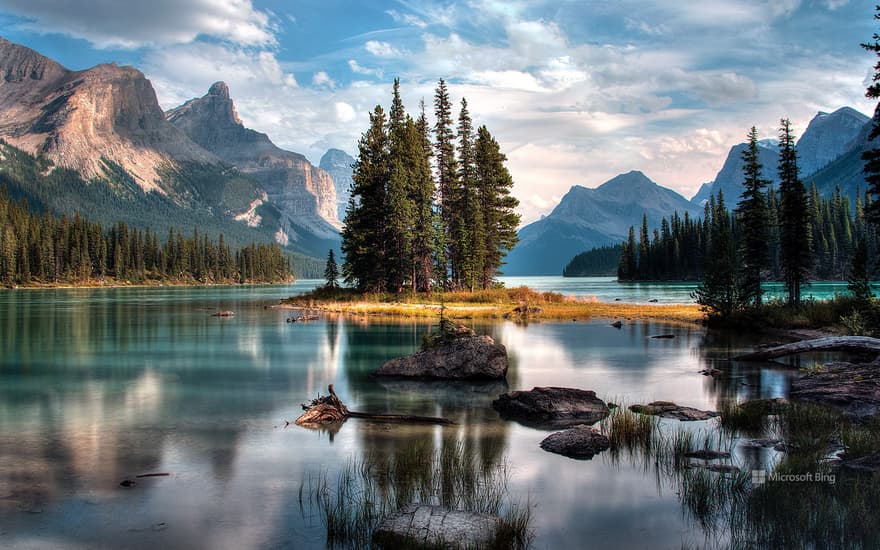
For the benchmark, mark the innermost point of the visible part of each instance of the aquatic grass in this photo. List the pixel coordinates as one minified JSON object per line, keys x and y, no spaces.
{"x":860,"y":439}
{"x":628,"y":431}
{"x":352,"y":505}
{"x":808,"y":429}
{"x":748,"y":417}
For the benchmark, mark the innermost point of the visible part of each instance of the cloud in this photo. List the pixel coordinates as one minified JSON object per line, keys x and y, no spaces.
{"x":407,"y":19}
{"x":344,"y":112}
{"x":382,"y":49}
{"x":129,"y":25}
{"x":321,"y":78}
{"x":357,"y":68}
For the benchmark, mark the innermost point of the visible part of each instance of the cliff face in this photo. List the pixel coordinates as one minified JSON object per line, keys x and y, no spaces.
{"x":304,"y":194}
{"x":81,"y":119}
{"x":339,"y":165}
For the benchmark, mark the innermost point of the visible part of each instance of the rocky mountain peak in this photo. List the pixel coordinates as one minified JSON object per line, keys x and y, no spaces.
{"x":219,"y":89}
{"x":303,"y":191}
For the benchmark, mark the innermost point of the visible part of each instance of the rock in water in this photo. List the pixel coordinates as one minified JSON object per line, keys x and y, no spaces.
{"x":578,"y":442}
{"x":549,"y":408}
{"x":418,"y":525}
{"x":471,"y":357}
{"x":851,"y":387}
{"x":667,"y":409}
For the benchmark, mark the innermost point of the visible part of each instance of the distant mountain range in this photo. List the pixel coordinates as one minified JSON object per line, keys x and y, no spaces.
{"x":586,"y":218}
{"x":828,"y":139}
{"x":829,"y":155}
{"x":125,"y":159}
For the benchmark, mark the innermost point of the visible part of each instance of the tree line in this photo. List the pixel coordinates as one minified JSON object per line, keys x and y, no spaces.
{"x":789,"y":235}
{"x":43,"y":249}
{"x":430,"y":206}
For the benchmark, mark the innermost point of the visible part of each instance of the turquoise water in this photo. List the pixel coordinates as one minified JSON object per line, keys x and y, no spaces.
{"x":100,"y":385}
{"x":607,"y":289}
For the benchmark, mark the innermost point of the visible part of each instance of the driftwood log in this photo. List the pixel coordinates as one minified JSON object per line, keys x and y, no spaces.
{"x":328,"y":410}
{"x":832,"y":343}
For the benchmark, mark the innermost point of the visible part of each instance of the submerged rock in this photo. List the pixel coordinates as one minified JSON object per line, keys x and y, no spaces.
{"x":667,"y":409}
{"x":468,"y":357}
{"x":579,"y":442}
{"x":417,"y":525}
{"x":551,"y":407}
{"x":851,"y":387}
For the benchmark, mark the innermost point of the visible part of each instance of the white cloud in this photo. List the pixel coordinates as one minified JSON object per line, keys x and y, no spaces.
{"x":407,"y":19}
{"x":382,"y":49}
{"x":117,"y":24}
{"x":321,"y":78}
{"x":344,"y":112}
{"x":357,"y":68}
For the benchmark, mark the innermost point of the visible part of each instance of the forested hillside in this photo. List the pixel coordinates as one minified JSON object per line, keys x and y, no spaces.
{"x":42,"y":249}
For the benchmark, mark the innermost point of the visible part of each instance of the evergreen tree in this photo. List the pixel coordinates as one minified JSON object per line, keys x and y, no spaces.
{"x":752,"y":217}
{"x":859,"y":281}
{"x":364,"y":236}
{"x":498,"y":206}
{"x":444,"y":148}
{"x":426,"y":239}
{"x":719,"y":292}
{"x":331,"y":271}
{"x":466,"y":223}
{"x":795,"y":233}
{"x":404,"y":148}
{"x":872,"y":156}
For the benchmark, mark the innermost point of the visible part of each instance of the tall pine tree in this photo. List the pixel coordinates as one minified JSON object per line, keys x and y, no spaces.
{"x":872,"y":156}
{"x":498,"y":205}
{"x":795,"y":240}
{"x":752,"y":217}
{"x":364,"y":234}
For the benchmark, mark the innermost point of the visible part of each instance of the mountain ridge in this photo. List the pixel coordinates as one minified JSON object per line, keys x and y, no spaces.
{"x":589,"y":217}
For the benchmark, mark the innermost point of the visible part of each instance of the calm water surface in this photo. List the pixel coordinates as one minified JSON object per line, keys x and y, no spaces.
{"x":97,"y":386}
{"x":607,"y":289}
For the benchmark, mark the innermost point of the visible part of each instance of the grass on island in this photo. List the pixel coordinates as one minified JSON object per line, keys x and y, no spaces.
{"x":490,"y":303}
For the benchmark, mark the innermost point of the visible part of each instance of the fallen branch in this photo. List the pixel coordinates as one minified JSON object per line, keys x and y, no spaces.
{"x":832,"y":343}
{"x":328,"y":409}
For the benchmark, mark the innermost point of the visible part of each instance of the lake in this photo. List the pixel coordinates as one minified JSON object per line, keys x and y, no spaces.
{"x":607,"y":289}
{"x":101,"y":385}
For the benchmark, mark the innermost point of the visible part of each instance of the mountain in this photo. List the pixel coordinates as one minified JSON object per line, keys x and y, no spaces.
{"x":339,"y":165}
{"x":304,"y":194}
{"x":829,"y":138}
{"x":703,"y":194}
{"x":586,"y":218}
{"x":87,"y":119}
{"x":730,"y":178}
{"x":97,"y":142}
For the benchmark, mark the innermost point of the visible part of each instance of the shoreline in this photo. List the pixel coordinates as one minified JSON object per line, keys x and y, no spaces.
{"x":569,"y":310}
{"x":155,"y":284}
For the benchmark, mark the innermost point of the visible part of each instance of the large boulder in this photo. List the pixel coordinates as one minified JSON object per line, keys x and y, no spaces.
{"x":667,"y":409}
{"x":551,"y":408}
{"x":469,"y":357}
{"x":579,"y":442}
{"x":420,"y":525}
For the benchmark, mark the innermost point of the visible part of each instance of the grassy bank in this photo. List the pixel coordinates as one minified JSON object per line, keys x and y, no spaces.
{"x":517,"y":303}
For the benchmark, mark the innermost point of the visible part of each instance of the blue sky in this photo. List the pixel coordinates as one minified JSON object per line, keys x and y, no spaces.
{"x":575,"y":91}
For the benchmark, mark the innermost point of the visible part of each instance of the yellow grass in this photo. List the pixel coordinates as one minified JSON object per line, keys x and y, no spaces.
{"x":494,"y":303}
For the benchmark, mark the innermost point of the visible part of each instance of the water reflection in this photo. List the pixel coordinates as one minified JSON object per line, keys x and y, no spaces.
{"x":98,"y":386}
